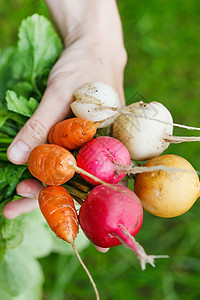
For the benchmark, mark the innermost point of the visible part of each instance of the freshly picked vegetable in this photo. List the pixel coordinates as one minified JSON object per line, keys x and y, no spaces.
{"x":166,"y":193}
{"x":55,"y":165}
{"x":110,"y":217}
{"x":103,"y":157}
{"x":146,"y":130}
{"x":143,"y":137}
{"x":96,"y":101}
{"x":72,"y":133}
{"x":57,"y":206}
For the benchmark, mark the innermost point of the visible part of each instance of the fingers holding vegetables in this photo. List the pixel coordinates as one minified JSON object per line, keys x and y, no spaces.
{"x":29,"y":190}
{"x":112,"y":215}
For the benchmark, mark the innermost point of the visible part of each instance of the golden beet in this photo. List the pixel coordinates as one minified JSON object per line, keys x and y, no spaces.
{"x":168,"y":193}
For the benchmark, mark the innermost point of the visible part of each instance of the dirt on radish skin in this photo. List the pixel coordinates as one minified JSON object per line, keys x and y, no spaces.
{"x":92,"y":96}
{"x":72,"y":133}
{"x":100,"y":157}
{"x":110,"y":217}
{"x":143,"y":137}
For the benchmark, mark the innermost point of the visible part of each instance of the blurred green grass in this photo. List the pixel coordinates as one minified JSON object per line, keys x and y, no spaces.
{"x":163,"y":45}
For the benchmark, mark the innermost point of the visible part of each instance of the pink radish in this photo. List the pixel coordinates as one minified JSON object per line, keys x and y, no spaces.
{"x":110,"y":217}
{"x":101,"y":157}
{"x":109,"y":161}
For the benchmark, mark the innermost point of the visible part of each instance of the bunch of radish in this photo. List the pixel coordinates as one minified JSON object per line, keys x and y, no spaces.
{"x":111,"y":214}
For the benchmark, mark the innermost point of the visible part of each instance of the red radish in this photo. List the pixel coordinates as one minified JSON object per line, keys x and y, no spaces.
{"x":101,"y":157}
{"x":109,"y":217}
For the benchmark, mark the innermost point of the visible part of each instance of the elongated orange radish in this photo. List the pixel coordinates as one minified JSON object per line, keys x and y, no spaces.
{"x":57,"y":207}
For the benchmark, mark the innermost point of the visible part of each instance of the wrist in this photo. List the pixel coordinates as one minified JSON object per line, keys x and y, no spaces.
{"x":79,"y":15}
{"x":96,"y":23}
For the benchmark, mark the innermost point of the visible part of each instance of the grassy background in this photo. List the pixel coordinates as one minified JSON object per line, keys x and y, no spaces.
{"x":163,"y":45}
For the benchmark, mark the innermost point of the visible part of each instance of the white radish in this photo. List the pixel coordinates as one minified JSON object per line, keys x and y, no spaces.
{"x":146,"y":130}
{"x":143,"y":137}
{"x":96,"y":101}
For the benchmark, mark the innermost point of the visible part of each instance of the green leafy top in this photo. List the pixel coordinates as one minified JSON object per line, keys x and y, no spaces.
{"x":24,"y":71}
{"x":37,"y":50}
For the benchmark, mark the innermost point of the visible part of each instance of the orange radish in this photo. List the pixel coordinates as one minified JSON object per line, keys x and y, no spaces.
{"x":72,"y":133}
{"x":57,"y":207}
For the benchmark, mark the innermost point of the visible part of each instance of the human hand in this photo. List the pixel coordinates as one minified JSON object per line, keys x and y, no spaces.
{"x":89,"y":55}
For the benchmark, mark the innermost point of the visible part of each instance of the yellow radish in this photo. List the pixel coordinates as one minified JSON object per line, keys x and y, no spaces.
{"x":168,"y":193}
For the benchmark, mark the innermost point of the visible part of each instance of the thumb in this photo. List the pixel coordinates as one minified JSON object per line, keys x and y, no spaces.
{"x":52,"y":108}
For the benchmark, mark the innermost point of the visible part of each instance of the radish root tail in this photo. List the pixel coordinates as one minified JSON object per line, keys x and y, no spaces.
{"x":81,"y":171}
{"x":180,"y":139}
{"x":125,"y":110}
{"x":87,"y":272}
{"x":135,"y":170}
{"x":138,"y":249}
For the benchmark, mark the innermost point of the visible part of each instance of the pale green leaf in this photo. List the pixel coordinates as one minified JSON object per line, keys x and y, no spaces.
{"x":5,"y":69}
{"x":38,"y":48}
{"x":19,"y":273}
{"x":11,"y":173}
{"x":12,"y":231}
{"x":20,"y":104}
{"x":37,"y":238}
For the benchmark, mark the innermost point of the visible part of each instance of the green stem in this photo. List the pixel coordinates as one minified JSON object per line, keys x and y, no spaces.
{"x":78,"y":200}
{"x":3,"y":157}
{"x":79,"y":185}
{"x":74,"y":192}
{"x":20,"y":119}
{"x":6,"y":140}
{"x":35,"y":85}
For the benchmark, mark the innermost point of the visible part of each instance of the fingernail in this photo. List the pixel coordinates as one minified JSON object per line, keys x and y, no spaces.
{"x":102,"y":250}
{"x":19,"y":152}
{"x":27,"y":195}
